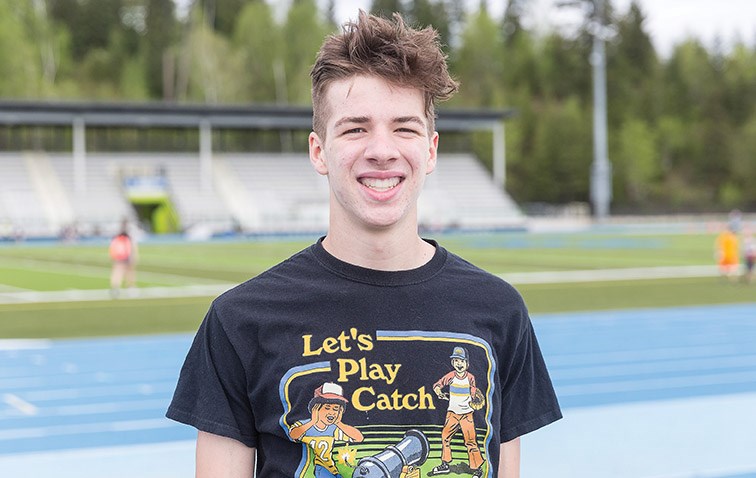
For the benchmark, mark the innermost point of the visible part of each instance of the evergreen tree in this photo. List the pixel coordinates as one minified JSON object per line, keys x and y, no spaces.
{"x":478,"y":62}
{"x":19,"y":73}
{"x":258,"y":40}
{"x":424,"y":13}
{"x":385,"y":8}
{"x":160,"y":61}
{"x":304,"y":32}
{"x":632,"y":70}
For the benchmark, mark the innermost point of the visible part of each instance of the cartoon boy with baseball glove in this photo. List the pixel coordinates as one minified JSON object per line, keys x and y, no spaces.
{"x":464,"y":398}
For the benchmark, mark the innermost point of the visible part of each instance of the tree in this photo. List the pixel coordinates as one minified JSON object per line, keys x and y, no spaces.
{"x":221,"y":15}
{"x":558,"y":163}
{"x":19,"y":73}
{"x":258,"y":41}
{"x":304,"y":32}
{"x":478,"y":62}
{"x":385,"y":8}
{"x":160,"y":61}
{"x":210,"y":70}
{"x":636,"y":162}
{"x":632,"y":70}
{"x":427,"y":13}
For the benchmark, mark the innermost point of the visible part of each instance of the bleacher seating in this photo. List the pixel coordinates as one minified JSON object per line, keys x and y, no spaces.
{"x":255,"y":192}
{"x":21,"y":212}
{"x":290,"y":194}
{"x":461,"y":193}
{"x":100,"y":204}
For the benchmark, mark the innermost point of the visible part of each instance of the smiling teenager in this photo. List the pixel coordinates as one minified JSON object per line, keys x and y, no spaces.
{"x":369,"y":315}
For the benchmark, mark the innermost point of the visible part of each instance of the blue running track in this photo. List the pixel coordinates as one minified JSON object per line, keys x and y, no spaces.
{"x":641,"y":391}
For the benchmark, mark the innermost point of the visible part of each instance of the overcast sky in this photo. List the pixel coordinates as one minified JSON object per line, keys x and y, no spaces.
{"x":668,"y":21}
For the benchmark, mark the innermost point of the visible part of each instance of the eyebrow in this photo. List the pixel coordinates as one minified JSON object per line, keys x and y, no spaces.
{"x":352,"y":119}
{"x":365,"y":119}
{"x":409,"y":119}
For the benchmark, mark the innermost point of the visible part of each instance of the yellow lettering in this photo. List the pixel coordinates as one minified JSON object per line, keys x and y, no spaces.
{"x":357,"y":403}
{"x":384,"y":403}
{"x":376,"y":372}
{"x":307,"y":351}
{"x":328,"y":345}
{"x":393,"y":370}
{"x":426,"y":400}
{"x":394,"y":401}
{"x":343,"y":341}
{"x":347,"y":367}
{"x":365,"y":342}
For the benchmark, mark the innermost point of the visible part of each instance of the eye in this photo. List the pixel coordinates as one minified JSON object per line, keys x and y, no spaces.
{"x":354,"y":130}
{"x":406,"y":130}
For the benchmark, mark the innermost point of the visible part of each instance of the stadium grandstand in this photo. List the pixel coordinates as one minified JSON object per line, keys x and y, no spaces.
{"x":209,"y":170}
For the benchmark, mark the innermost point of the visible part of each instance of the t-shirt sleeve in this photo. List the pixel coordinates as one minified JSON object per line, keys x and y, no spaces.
{"x":211,"y":394}
{"x":528,"y":398}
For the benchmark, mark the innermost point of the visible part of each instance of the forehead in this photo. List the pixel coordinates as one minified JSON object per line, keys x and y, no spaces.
{"x":374,"y":98}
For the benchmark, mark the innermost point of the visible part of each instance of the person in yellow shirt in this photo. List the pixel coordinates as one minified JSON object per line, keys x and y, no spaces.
{"x":728,"y":253}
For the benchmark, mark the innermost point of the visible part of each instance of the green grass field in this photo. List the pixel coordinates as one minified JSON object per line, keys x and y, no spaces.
{"x":87,"y":267}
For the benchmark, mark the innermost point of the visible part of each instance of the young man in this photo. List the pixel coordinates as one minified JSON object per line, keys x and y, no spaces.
{"x":371,"y":306}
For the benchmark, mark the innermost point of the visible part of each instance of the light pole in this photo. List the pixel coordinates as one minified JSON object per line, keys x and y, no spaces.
{"x":601,"y":168}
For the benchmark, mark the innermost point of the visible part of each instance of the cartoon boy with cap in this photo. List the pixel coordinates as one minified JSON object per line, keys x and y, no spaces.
{"x":324,"y":428}
{"x":464,"y":398}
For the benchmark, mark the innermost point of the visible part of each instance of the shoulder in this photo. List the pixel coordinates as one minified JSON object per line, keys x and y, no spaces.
{"x":468,"y":276}
{"x":272,"y":285}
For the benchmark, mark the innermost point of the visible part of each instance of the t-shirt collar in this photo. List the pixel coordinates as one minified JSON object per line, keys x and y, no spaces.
{"x":378,"y":277}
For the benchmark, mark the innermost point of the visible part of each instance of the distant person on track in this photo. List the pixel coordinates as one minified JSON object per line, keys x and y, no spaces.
{"x":371,"y":307}
{"x":727,"y":252}
{"x":123,"y":255}
{"x":749,"y":256}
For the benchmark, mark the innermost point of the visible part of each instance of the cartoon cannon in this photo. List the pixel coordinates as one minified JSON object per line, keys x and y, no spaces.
{"x":396,"y":461}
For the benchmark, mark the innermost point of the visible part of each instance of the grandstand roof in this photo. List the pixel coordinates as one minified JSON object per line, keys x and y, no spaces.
{"x":172,"y":115}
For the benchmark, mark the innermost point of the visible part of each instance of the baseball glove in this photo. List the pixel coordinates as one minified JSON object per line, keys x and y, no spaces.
{"x":478,"y":400}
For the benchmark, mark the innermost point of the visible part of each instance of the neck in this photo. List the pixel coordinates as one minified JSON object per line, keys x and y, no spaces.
{"x":388,"y":250}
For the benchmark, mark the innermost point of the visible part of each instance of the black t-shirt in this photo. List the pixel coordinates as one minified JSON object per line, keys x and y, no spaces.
{"x":320,"y":364}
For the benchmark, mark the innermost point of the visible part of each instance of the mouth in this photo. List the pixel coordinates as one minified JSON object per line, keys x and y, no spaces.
{"x":381,"y":184}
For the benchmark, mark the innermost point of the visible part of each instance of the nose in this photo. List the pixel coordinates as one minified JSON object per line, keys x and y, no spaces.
{"x":382,"y":146}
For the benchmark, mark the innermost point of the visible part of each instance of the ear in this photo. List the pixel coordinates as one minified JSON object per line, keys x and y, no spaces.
{"x":317,"y":154}
{"x":432,"y":153}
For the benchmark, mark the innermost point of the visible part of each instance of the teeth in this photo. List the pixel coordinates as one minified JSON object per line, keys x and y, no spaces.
{"x":380,"y":184}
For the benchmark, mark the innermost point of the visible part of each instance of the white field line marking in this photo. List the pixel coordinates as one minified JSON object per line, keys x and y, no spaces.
{"x":100,"y":271}
{"x":104,"y":294}
{"x":682,"y":365}
{"x":109,"y":427}
{"x":20,"y":404}
{"x":158,"y":387}
{"x":7,"y":345}
{"x":99,"y":408}
{"x":548,"y":277}
{"x":664,"y":383}
{"x":633,"y":273}
{"x":10,"y":288}
{"x":84,"y":455}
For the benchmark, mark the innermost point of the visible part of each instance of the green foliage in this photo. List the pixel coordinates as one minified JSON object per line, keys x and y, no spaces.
{"x":637,"y":161}
{"x":304,"y":32}
{"x":385,"y":8}
{"x":19,"y":72}
{"x":259,"y":41}
{"x":680,"y":128}
{"x":479,"y":62}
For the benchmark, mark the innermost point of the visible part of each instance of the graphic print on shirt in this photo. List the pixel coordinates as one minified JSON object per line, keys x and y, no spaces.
{"x":399,"y":404}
